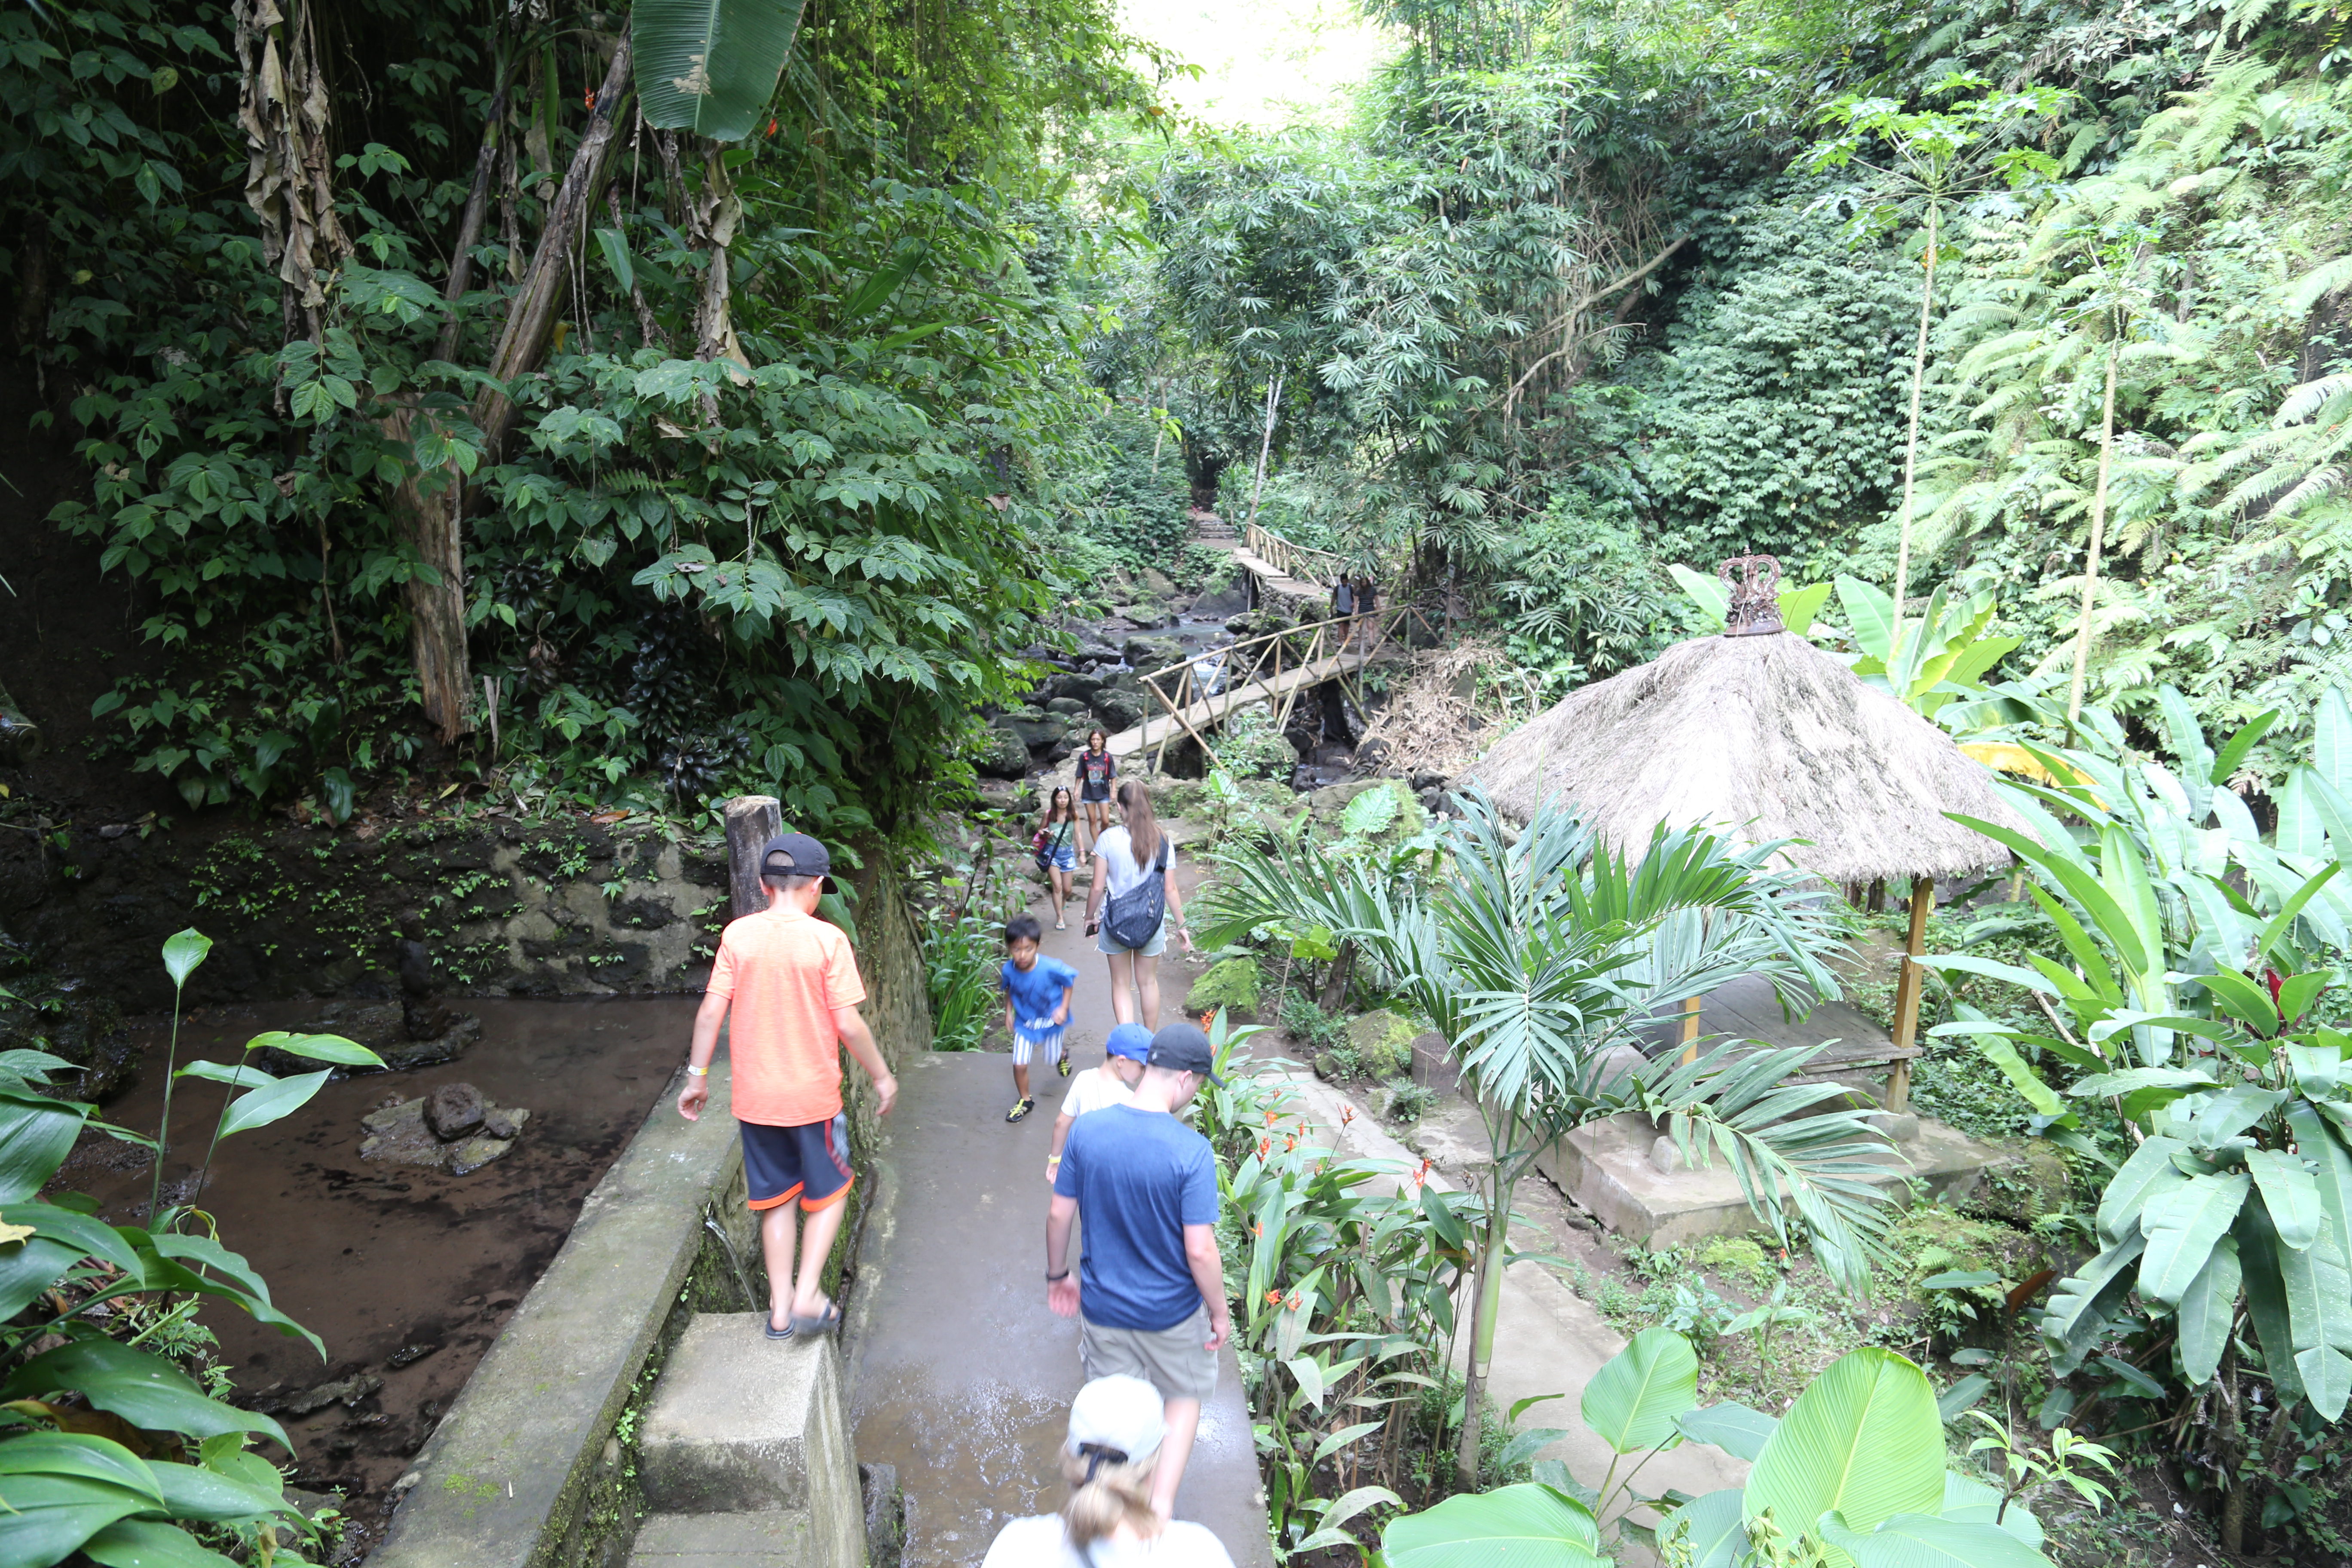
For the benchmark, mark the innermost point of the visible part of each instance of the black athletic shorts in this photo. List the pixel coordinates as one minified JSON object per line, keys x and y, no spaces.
{"x":811,"y":1162}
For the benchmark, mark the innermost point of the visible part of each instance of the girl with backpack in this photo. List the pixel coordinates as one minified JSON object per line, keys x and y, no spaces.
{"x":1131,"y":905}
{"x":1054,"y":846}
{"x":1096,"y":769}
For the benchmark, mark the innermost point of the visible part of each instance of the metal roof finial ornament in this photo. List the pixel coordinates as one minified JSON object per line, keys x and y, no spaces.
{"x":1753,"y":585}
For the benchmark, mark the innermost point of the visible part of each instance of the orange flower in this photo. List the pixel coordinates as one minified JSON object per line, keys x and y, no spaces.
{"x":1290,"y":1142}
{"x":1294,"y":1302}
{"x":1264,"y":1147}
{"x":1274,"y":1297}
{"x":1347,"y":1115}
{"x":1205,"y":1019}
{"x":1269,"y":1116}
{"x":1258,"y":1228}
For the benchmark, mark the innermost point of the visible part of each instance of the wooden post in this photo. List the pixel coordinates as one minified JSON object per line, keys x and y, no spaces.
{"x":1690,"y":1030}
{"x":1907,"y":994}
{"x":751,"y":821}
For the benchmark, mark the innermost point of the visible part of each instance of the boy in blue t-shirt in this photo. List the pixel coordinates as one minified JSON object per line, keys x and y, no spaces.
{"x":1037,"y":993}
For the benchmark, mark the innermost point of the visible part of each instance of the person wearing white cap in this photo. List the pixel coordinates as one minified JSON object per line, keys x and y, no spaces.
{"x":1116,"y":1426}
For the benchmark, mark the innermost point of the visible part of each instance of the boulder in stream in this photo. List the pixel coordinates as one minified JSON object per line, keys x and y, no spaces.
{"x":405,"y":1132}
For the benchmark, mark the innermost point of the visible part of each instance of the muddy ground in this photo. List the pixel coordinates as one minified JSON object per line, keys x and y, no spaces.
{"x":383,"y":1261}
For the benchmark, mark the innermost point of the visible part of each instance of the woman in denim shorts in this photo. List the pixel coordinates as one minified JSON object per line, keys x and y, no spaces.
{"x":1056,"y":851}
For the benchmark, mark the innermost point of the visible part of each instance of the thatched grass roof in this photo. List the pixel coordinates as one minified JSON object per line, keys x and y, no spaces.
{"x":1768,"y":737}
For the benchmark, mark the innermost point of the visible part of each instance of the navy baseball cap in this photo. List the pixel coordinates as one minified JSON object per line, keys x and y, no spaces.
{"x":794,"y":855}
{"x":1181,"y":1047}
{"x":1132,"y":1041}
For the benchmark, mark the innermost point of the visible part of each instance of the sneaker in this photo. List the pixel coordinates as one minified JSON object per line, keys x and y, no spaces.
{"x":1020,"y":1109}
{"x":1064,"y":1064}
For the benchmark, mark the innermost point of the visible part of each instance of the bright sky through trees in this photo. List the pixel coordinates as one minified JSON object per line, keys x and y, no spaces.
{"x":1266,"y":63}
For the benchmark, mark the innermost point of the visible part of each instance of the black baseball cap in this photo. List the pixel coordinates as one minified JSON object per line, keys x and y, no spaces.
{"x":1181,"y":1047}
{"x":794,"y":855}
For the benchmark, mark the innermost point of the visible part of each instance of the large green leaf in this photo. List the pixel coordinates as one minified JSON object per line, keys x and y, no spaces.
{"x":146,"y":1543}
{"x":1527,"y":1526}
{"x":1870,"y":612}
{"x":1864,"y":1440}
{"x":1734,"y":1428}
{"x":710,"y":66}
{"x":190,"y":1492}
{"x":1714,"y":1527}
{"x":2150,"y":1170}
{"x":2207,"y":1309}
{"x":316,"y":1047}
{"x":145,"y":1390}
{"x":2181,"y":1225}
{"x":2319,"y":1313}
{"x":48,"y":1516}
{"x":1922,"y":1541}
{"x":1631,"y":1404}
{"x":2086,"y":1302}
{"x":272,"y":1101}
{"x":2331,"y":1165}
{"x":2258,"y":1252}
{"x":37,"y":1133}
{"x":182,"y":951}
{"x":1968,"y":1500}
{"x":77,"y":1453}
{"x":2289,"y":1192}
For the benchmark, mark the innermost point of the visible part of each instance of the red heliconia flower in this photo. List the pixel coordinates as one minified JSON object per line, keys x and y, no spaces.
{"x":2276,"y":982}
{"x":589,"y":98}
{"x":1347,"y":1115}
{"x":1290,"y":1142}
{"x":1264,"y":1147}
{"x":1274,"y":1297}
{"x":771,"y":128}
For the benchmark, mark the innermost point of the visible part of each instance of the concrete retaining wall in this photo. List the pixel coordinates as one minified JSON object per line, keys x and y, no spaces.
{"x":535,"y":1465}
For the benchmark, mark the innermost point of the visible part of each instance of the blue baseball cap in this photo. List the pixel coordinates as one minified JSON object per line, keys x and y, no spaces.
{"x":1132,"y":1041}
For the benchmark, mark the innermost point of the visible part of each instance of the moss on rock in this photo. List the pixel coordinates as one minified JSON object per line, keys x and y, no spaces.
{"x":1231,"y":983}
{"x":1383,"y":1042}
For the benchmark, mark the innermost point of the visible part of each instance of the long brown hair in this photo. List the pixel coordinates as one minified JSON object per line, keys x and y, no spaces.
{"x":1059,"y":800}
{"x":1142,"y":827}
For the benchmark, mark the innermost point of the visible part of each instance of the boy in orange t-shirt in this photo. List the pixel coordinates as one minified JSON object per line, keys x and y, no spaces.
{"x":787,"y":983}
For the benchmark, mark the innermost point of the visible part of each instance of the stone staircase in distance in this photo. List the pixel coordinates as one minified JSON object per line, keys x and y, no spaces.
{"x":744,"y":1453}
{"x":1208,"y":528}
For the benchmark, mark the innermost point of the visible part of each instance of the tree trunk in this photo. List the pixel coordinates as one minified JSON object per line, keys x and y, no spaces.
{"x":1265,"y":443}
{"x":477,"y":207}
{"x":1335,"y":985}
{"x":437,"y":609}
{"x":1482,"y":1341}
{"x":717,"y":212}
{"x":1911,"y":444}
{"x":649,"y":331}
{"x":531,"y":318}
{"x":2098,"y":534}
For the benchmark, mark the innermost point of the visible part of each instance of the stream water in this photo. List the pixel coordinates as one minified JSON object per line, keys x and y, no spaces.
{"x":383,"y":1261}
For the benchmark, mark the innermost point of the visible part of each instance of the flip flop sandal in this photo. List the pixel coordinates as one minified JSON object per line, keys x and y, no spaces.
{"x":774,"y":1333}
{"x":825,"y":1322}
{"x":1020,"y":1110}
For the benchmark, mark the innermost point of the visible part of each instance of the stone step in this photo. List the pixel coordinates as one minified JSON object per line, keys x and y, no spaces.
{"x":774,"y":1538}
{"x":747,"y":1426}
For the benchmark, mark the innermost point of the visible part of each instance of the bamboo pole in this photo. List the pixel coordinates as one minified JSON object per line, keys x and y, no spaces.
{"x":1690,"y":1028}
{"x":1907,"y":994}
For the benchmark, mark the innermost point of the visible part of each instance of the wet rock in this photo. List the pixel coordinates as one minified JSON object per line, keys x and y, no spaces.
{"x":1148,"y":654}
{"x":1117,"y":711}
{"x":1327,"y":1067}
{"x":453,"y":1111}
{"x":346,"y":1392}
{"x":1003,"y":755}
{"x":1332,"y":799}
{"x":499,"y":1124}
{"x":1034,"y":732}
{"x":399,"y":1135}
{"x":1157,"y":581}
{"x":408,"y":1355}
{"x":1069,"y":707}
{"x":1426,"y":779}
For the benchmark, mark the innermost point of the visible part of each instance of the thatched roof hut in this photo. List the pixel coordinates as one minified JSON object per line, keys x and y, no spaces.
{"x":1768,"y":737}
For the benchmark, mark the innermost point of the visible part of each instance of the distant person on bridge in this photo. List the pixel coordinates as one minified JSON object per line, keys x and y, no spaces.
{"x":1097,"y":770}
{"x":786,"y":984}
{"x":1116,"y":1428}
{"x":1037,"y":992}
{"x":1055,"y":849}
{"x":1367,"y":601}
{"x":1343,"y":607}
{"x":1150,"y":1294}
{"x":1135,"y":866}
{"x":1113,"y":1083}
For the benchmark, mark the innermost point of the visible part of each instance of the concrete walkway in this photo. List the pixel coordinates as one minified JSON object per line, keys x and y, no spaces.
{"x":959,"y":1375}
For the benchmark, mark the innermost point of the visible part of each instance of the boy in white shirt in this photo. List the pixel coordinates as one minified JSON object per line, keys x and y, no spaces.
{"x":1113,"y":1083}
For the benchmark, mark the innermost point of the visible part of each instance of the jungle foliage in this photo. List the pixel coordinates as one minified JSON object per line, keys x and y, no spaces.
{"x":1665,"y":274}
{"x":428,"y":373}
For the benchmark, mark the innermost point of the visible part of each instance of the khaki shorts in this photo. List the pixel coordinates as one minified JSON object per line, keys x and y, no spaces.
{"x":1177,"y":1361}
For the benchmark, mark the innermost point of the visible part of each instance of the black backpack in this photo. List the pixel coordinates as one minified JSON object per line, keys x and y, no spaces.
{"x":1132,"y":918}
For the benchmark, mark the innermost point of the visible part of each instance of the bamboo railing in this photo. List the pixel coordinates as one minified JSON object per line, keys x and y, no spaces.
{"x":1250,"y":672}
{"x":1292,"y":560}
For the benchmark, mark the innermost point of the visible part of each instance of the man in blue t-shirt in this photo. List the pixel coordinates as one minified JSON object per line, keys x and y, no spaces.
{"x":1150,"y":1279}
